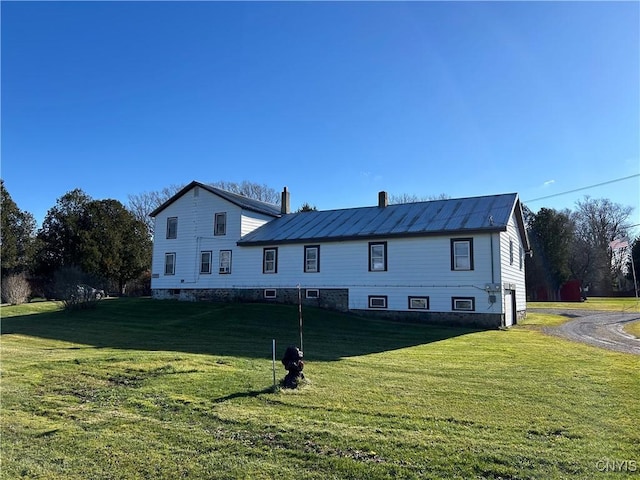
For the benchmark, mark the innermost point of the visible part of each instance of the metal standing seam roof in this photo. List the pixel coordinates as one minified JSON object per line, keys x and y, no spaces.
{"x":239,"y":200}
{"x":473,"y":214}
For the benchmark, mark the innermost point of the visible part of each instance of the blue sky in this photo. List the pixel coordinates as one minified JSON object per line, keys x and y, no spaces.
{"x":337,"y":101}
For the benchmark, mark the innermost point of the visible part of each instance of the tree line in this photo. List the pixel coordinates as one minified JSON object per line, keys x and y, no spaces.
{"x":589,"y":245}
{"x":107,"y":245}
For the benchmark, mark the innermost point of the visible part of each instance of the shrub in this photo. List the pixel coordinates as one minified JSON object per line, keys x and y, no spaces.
{"x":71,"y":287}
{"x":16,"y":289}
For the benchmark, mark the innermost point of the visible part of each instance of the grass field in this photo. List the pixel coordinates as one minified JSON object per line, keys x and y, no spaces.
{"x":623,"y":304}
{"x":139,"y":389}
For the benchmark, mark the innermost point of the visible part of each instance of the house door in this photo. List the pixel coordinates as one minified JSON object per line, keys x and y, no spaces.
{"x":509,"y":308}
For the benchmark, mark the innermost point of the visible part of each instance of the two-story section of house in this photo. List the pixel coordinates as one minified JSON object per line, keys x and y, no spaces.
{"x":453,"y":261}
{"x":195,"y":239}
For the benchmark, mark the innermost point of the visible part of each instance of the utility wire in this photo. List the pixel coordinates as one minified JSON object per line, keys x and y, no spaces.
{"x":583,"y":188}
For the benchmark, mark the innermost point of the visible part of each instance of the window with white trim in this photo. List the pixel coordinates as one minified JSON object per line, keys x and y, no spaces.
{"x":270,"y":260}
{"x":377,"y":256}
{"x":462,"y":254}
{"x":521,"y":257}
{"x":170,"y":263}
{"x":312,"y":293}
{"x":205,"y":262}
{"x":467,"y":304}
{"x":220,"y":223}
{"x":418,"y":303}
{"x":510,"y":252}
{"x":312,"y":258}
{"x":225,"y":262}
{"x":172,"y":227}
{"x":377,"y":301}
{"x":269,"y":293}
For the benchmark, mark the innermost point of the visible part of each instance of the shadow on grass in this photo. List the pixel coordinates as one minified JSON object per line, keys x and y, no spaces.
{"x":241,"y":330}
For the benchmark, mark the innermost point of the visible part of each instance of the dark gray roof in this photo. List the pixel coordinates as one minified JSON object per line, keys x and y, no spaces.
{"x":459,"y":216}
{"x":239,"y":200}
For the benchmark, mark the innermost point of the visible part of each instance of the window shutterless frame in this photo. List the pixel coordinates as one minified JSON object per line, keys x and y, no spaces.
{"x":172,"y":227}
{"x":377,"y":301}
{"x":220,"y":223}
{"x":462,"y":254}
{"x":418,"y":303}
{"x":205,"y":262}
{"x":170,"y":263}
{"x":377,"y":256}
{"x":224,"y":267}
{"x":467,"y":304}
{"x":312,"y":293}
{"x":270,"y":260}
{"x":312,"y":258}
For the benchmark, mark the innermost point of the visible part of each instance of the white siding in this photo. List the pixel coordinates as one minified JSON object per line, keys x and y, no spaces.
{"x":251,"y":221}
{"x":512,"y":273}
{"x":418,"y":266}
{"x":195,"y":234}
{"x":415,"y":267}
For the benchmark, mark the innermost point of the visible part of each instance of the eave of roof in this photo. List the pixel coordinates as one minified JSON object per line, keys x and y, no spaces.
{"x":239,"y":200}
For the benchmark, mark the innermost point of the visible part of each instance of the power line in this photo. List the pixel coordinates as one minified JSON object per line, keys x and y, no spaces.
{"x":583,"y":188}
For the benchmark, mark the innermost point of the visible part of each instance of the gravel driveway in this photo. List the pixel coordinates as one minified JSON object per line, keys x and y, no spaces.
{"x":602,"y":329}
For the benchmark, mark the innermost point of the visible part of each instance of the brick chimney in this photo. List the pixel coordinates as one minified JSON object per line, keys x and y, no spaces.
{"x":285,"y":204}
{"x":383,"y":199}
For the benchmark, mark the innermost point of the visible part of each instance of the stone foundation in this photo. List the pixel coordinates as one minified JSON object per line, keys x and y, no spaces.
{"x":332,"y":299}
{"x":329,"y":298}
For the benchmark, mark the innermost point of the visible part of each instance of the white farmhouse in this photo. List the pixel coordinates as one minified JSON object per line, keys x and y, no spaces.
{"x":454,"y":261}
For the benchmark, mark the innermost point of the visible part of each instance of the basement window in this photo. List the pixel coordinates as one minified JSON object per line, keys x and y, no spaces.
{"x":377,"y":301}
{"x":418,"y":303}
{"x":312,"y":293}
{"x":269,"y":293}
{"x":467,"y":304}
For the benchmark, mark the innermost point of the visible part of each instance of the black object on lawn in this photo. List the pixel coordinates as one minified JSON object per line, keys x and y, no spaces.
{"x":293,"y":363}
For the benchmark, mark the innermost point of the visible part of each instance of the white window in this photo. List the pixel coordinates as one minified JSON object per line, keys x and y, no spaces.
{"x":463,"y":303}
{"x":170,"y":263}
{"x":510,"y":252}
{"x":270,"y":293}
{"x":377,"y":301}
{"x":205,"y":262}
{"x":312,"y":293}
{"x":270,"y":260}
{"x":377,"y":256}
{"x":521,"y":257}
{"x":461,"y":254}
{"x":225,"y":262}
{"x":312,"y":258}
{"x":220,"y":224}
{"x":419,"y":303}
{"x":172,"y":227}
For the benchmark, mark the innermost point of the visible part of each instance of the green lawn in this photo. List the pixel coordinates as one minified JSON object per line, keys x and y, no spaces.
{"x":140,"y":389}
{"x":633,"y":329}
{"x":624,"y":304}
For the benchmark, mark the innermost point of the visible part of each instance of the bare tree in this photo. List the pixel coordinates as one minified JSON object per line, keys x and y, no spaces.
{"x":256,"y":191}
{"x":141,"y":205}
{"x":16,"y":289}
{"x":411,"y":198}
{"x":598,"y":223}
